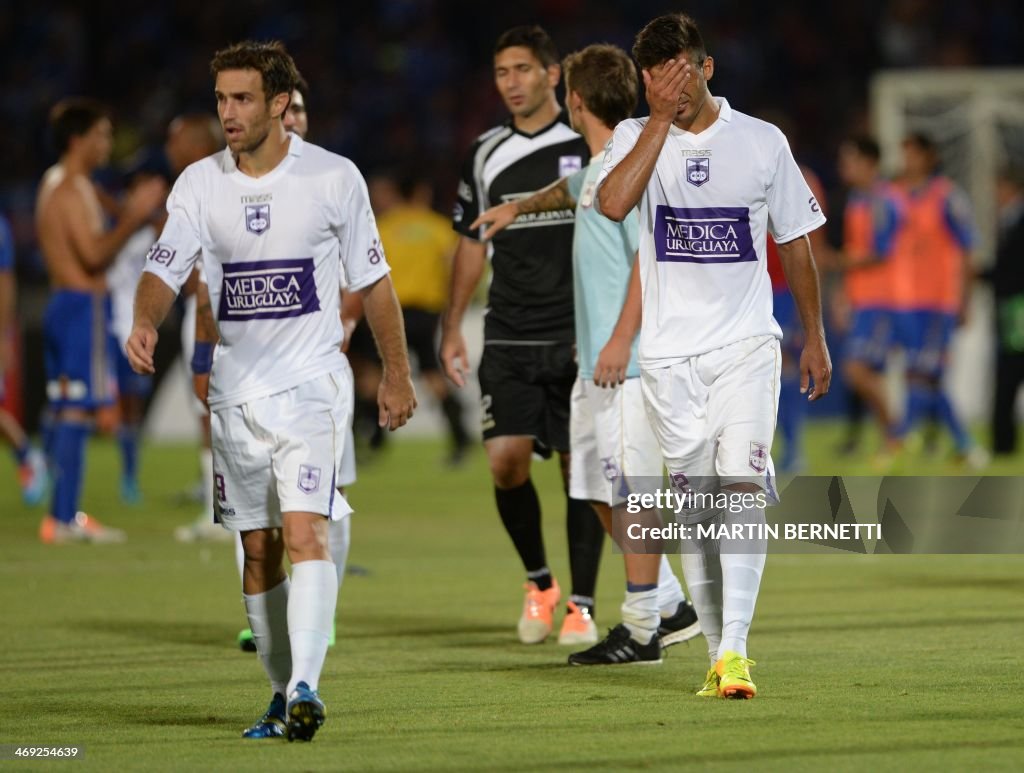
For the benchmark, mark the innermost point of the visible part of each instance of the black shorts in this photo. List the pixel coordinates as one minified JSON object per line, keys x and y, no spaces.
{"x":525,"y":390}
{"x":420,"y":336}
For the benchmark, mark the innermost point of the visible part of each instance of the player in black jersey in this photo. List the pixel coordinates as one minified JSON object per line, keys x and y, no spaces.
{"x":528,"y":365}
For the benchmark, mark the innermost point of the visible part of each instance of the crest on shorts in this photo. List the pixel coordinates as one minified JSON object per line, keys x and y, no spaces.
{"x":758,"y":456}
{"x":257,"y":218}
{"x":610,"y":468}
{"x":309,"y":478}
{"x":698,"y":171}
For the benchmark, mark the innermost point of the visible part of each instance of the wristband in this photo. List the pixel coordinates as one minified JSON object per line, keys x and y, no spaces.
{"x":202,"y":358}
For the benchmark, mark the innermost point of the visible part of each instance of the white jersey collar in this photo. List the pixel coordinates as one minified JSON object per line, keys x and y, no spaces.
{"x":295,"y":147}
{"x":724,"y":116}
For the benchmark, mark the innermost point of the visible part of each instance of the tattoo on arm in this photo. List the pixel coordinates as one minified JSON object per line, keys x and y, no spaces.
{"x":550,"y":199}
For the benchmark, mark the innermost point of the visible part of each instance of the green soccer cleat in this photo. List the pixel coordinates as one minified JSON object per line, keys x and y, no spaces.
{"x":734,"y":676}
{"x":710,"y":688}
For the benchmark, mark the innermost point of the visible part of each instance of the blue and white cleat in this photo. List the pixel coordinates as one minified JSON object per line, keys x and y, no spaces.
{"x":34,"y":477}
{"x":272,"y":724}
{"x":306,"y":713}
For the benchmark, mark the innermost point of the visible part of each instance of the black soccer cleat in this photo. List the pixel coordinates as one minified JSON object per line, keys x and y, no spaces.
{"x":682,"y":626}
{"x":305,"y":713}
{"x":618,"y":648}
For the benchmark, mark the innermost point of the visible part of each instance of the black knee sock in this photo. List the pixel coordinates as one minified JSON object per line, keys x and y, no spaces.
{"x":586,"y":540}
{"x":520,"y":512}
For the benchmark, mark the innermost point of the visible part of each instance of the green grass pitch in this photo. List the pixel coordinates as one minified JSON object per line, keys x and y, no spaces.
{"x":864,"y":662}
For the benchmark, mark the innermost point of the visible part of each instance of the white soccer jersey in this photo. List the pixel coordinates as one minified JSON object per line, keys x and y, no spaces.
{"x":123,"y":277}
{"x":274,"y":250}
{"x":711,"y":201}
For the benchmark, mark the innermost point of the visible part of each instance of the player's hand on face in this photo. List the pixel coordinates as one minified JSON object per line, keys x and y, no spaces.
{"x":145,"y":198}
{"x":140,"y":347}
{"x":201,"y":387}
{"x":815,"y":368}
{"x":396,"y":400}
{"x":612,"y":362}
{"x":454,"y":357}
{"x":664,"y":85}
{"x":499,"y":217}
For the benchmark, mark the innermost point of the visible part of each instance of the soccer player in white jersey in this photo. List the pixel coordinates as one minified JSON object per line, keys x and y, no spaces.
{"x":205,"y":330}
{"x":609,"y":435}
{"x":276,"y":221}
{"x":711,"y":183}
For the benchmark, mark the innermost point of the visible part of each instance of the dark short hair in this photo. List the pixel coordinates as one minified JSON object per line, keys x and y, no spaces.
{"x":269,"y":59}
{"x":74,"y":117}
{"x":922,"y":142}
{"x":302,"y":86}
{"x":865,"y":145}
{"x":665,"y":38}
{"x":532,"y":37}
{"x":605,"y":78}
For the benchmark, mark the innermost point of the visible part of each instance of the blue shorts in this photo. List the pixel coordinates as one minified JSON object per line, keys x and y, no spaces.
{"x":784,"y":309}
{"x":924,"y":336}
{"x":128,"y":381}
{"x":870,"y":336}
{"x":79,"y":350}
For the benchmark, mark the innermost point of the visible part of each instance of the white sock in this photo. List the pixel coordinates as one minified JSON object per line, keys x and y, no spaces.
{"x":206,"y":468}
{"x":702,"y":570}
{"x":268,"y":619}
{"x":240,"y":555}
{"x":640,"y":614}
{"x":338,"y":541}
{"x":670,"y":592}
{"x":741,"y":574}
{"x":311,"y":602}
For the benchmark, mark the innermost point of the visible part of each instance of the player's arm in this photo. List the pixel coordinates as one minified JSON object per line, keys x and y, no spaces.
{"x":553,"y":198}
{"x":396,"y":397}
{"x":802,"y":277}
{"x":467,"y":268}
{"x":206,"y":337}
{"x":98,"y":250}
{"x":625,"y":184}
{"x":169,"y":265}
{"x":612,"y":362}
{"x":153,"y":300}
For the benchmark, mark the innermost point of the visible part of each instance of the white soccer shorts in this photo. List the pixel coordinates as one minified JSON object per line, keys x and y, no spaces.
{"x":714,"y":416}
{"x":611,"y":442}
{"x":282,"y":453}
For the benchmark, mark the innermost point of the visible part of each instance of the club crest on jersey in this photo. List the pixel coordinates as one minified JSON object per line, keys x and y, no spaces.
{"x":698,"y":171}
{"x":257,"y":218}
{"x":758,"y":456}
{"x":568,"y":165}
{"x":309,"y":478}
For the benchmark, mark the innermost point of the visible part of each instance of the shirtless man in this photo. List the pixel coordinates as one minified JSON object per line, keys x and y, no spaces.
{"x":79,"y":347}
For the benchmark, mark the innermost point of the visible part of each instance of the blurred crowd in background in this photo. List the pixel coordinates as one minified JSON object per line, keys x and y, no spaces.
{"x":410,"y":80}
